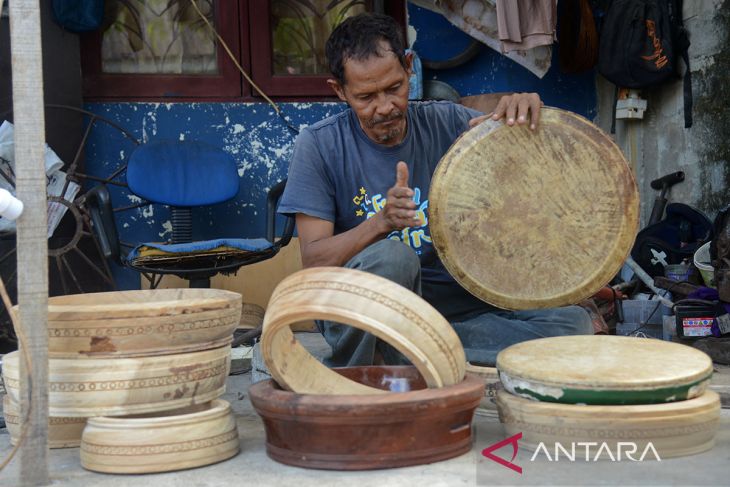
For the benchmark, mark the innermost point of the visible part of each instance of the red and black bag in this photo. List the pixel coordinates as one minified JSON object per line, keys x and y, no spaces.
{"x":641,"y":43}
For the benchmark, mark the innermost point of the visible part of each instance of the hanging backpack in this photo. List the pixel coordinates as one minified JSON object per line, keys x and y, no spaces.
{"x":641,"y":42}
{"x":78,"y":15}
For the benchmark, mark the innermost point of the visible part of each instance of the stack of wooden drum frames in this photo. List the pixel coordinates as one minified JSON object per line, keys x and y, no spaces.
{"x":135,"y":377}
{"x":648,"y":397}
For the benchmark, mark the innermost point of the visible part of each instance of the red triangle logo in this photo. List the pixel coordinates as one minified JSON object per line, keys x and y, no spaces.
{"x":487,"y":452}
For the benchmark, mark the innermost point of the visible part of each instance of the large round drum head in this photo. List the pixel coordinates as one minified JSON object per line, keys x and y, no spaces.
{"x":604,"y":369}
{"x":534,"y":219}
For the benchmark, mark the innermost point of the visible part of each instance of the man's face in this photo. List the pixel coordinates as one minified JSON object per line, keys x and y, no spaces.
{"x":376,"y":89}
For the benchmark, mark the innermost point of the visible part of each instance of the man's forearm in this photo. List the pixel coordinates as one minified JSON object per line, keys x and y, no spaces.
{"x":338,"y":249}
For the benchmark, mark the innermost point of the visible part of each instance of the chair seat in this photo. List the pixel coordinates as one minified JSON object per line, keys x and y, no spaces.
{"x":164,"y":255}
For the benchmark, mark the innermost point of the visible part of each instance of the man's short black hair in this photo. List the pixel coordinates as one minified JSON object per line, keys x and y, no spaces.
{"x":359,"y":38}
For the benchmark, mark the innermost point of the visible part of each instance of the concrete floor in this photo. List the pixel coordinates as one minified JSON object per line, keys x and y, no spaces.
{"x":252,"y":467}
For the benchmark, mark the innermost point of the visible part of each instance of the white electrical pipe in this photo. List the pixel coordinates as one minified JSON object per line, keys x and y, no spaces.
{"x":10,"y":206}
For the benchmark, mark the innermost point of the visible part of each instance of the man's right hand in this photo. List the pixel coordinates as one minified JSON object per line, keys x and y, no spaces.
{"x":321,"y":247}
{"x":400,"y":209}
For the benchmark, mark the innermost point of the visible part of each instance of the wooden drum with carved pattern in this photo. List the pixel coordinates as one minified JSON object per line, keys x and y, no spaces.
{"x":646,"y":431}
{"x":86,"y":387}
{"x":141,"y":323}
{"x":377,"y":305}
{"x":534,"y":219}
{"x":62,"y":432}
{"x":161,"y":442}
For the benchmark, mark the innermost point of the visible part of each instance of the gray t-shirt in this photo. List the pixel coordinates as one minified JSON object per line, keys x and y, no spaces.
{"x":338,"y":174}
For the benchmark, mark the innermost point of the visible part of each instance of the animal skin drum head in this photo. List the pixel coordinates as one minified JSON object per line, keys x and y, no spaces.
{"x":604,"y":369}
{"x":534,"y":219}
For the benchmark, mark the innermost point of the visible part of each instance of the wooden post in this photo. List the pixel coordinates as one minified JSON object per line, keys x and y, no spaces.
{"x":32,"y":241}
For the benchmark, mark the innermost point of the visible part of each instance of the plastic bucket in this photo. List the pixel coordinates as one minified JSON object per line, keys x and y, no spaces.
{"x":702,"y":262}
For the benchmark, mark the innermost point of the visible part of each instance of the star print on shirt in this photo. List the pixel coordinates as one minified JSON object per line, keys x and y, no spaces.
{"x":362,"y":203}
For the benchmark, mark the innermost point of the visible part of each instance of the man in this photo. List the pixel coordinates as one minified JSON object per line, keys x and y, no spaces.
{"x":384,"y":149}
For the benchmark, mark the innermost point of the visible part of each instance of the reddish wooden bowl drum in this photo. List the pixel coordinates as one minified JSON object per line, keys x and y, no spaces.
{"x":360,"y":431}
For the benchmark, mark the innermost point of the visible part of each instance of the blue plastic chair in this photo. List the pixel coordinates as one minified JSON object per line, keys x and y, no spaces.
{"x":184,"y":175}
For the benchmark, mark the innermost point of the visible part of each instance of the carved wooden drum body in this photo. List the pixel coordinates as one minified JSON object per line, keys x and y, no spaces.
{"x":140,"y":323}
{"x":252,"y":316}
{"x":534,"y":219}
{"x":369,"y":302}
{"x":87,"y":387}
{"x":673,"y":429}
{"x":62,"y":432}
{"x":161,"y":442}
{"x":490,"y":377}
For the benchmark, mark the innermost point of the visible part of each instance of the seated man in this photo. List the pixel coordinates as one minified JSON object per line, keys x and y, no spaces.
{"x":383,"y":148}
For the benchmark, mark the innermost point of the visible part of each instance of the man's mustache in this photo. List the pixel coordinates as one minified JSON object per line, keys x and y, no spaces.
{"x":378,"y":120}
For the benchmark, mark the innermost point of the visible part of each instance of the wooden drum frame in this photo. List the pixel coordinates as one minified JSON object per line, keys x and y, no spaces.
{"x":490,"y":377}
{"x":62,"y":432}
{"x":674,"y":429}
{"x":368,"y":302}
{"x":141,"y":323}
{"x":88,"y":387}
{"x":356,"y":432}
{"x":175,"y":440}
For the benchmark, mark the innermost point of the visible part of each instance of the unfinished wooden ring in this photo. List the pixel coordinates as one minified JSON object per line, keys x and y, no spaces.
{"x":674,"y":429}
{"x":356,"y":432}
{"x":62,"y":432}
{"x":120,"y":386}
{"x":141,"y":323}
{"x":368,"y":302}
{"x":527,"y":219}
{"x":161,"y":442}
{"x":604,"y":369}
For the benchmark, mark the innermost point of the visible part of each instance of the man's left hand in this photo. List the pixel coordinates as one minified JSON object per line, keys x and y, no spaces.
{"x":519,"y":107}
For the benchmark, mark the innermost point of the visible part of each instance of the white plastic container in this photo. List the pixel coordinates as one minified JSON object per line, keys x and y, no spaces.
{"x":702,"y":262}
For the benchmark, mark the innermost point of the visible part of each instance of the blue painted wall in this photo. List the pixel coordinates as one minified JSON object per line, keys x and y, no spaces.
{"x":261,"y":144}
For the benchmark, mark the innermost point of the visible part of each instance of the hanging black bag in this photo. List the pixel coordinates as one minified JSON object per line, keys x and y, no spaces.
{"x":640,"y":45}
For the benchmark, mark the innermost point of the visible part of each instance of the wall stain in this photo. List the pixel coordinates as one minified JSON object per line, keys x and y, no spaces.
{"x":712,"y":120}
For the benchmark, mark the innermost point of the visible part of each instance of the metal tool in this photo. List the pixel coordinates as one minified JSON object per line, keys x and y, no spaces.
{"x":663,"y":184}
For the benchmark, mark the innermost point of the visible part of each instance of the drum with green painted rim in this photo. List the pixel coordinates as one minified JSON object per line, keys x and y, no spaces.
{"x":604,"y":369}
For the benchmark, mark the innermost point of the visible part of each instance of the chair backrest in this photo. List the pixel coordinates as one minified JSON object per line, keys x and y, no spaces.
{"x":182,"y":173}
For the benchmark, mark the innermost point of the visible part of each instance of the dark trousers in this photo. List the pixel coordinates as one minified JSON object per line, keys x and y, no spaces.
{"x":483,"y":329}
